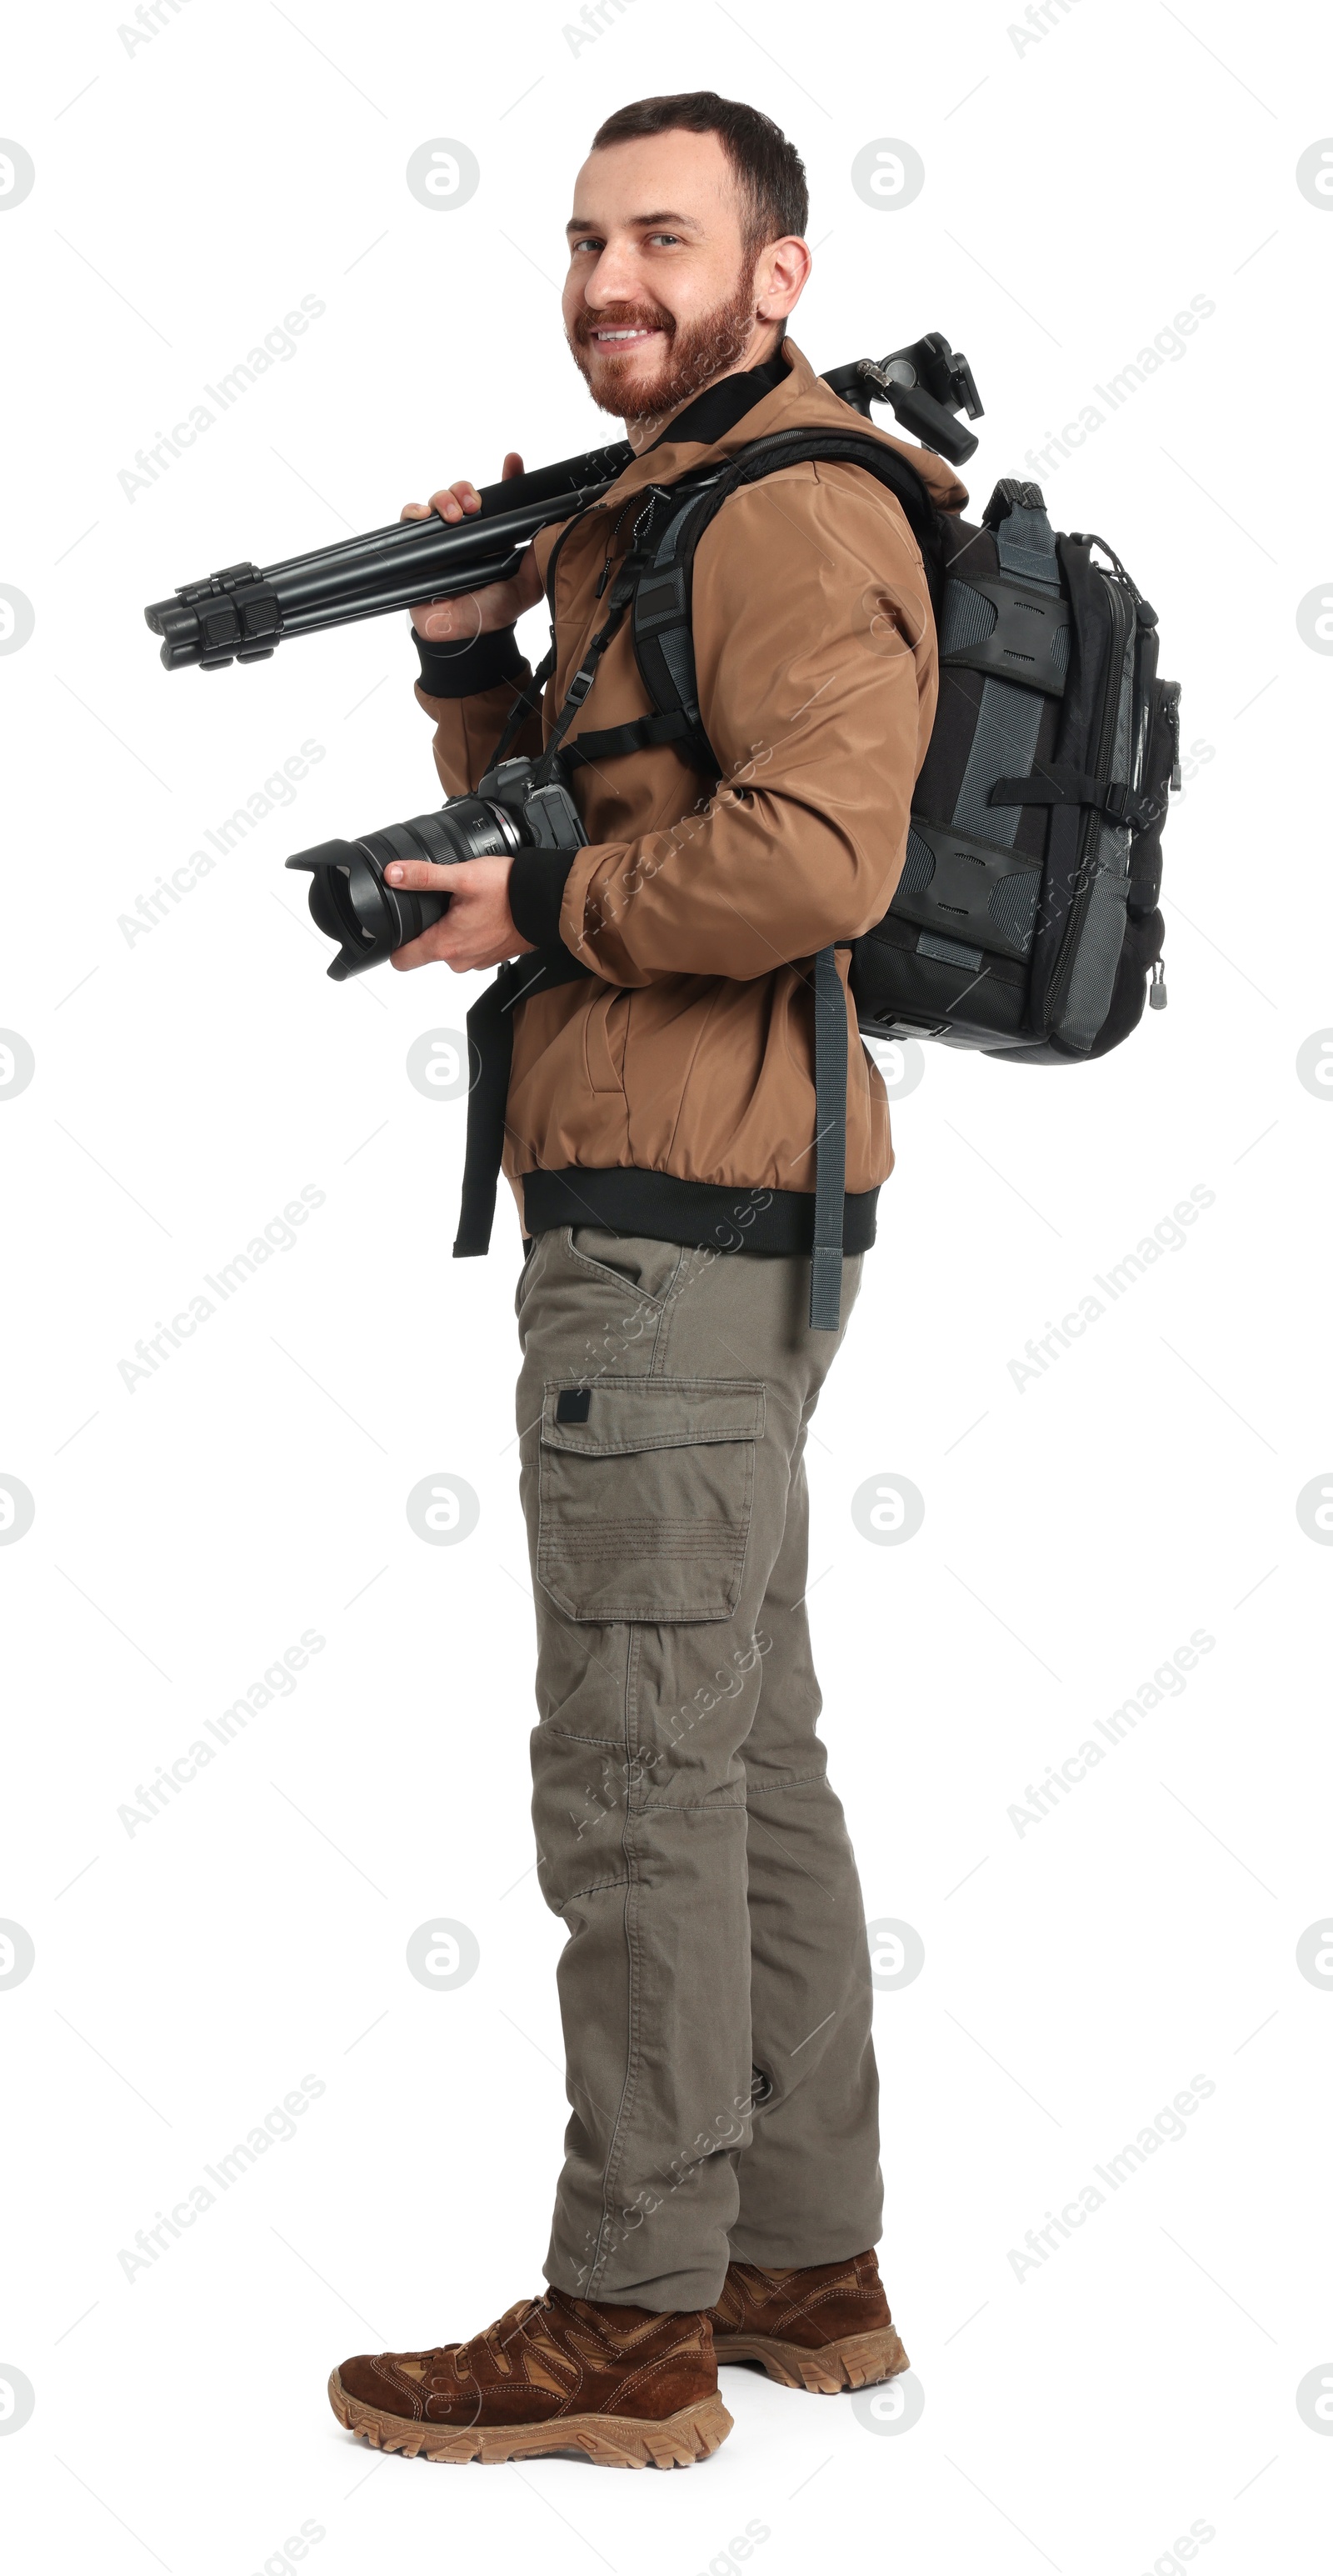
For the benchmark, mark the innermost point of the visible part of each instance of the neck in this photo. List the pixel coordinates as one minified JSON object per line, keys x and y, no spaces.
{"x":765,"y":339}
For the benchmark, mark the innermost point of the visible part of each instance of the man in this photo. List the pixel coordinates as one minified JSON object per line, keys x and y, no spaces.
{"x":721,"y":2188}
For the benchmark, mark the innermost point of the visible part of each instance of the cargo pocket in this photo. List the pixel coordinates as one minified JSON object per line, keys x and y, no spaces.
{"x":646,"y":1486}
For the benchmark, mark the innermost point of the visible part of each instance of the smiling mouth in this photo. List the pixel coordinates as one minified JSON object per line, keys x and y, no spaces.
{"x":624,"y":338}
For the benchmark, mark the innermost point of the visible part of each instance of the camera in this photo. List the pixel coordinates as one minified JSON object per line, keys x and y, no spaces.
{"x":514,"y":808}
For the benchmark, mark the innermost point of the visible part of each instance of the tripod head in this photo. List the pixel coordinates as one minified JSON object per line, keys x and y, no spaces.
{"x":242,"y":613}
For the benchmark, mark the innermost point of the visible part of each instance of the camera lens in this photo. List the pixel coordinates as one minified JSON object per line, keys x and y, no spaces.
{"x":349,"y":900}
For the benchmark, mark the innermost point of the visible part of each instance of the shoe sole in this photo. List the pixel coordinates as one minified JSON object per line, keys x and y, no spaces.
{"x":608,"y":2441}
{"x":855,"y":2361}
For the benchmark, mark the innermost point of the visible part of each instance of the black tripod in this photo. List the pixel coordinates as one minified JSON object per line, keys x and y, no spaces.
{"x":242,"y":613}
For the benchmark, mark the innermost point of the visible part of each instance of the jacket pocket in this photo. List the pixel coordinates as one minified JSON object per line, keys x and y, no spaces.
{"x":645,"y":1492}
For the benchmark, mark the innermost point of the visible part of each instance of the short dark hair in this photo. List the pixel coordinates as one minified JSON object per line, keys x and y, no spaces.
{"x":769,"y":170}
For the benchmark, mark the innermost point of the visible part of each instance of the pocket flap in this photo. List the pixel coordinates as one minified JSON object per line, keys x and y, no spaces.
{"x":621,"y":1415}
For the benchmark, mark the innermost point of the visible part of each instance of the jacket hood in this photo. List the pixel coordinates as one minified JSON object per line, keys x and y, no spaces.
{"x":801,"y":401}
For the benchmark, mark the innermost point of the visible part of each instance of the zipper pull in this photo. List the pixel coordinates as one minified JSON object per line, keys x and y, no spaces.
{"x":1157,"y":988}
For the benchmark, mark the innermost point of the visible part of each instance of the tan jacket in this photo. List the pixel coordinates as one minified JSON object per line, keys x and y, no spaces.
{"x":690,"y":1053}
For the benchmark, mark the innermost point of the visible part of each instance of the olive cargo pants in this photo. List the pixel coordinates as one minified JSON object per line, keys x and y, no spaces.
{"x":715,"y":1984}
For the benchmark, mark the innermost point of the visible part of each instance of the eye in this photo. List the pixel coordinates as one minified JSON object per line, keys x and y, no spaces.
{"x":664,"y":237}
{"x":588,"y":242}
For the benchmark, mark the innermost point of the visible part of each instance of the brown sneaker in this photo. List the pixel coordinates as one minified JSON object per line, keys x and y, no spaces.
{"x":826,"y":2326}
{"x":628,"y":2387}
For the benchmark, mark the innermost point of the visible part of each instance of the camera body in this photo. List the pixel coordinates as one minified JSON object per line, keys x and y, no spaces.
{"x":514,"y":808}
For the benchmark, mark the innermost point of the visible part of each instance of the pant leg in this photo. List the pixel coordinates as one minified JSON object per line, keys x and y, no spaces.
{"x":809,"y":2179}
{"x":645,"y":1707}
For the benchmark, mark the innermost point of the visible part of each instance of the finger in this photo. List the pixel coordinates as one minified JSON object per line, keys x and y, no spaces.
{"x":421,"y":876}
{"x":460,"y":500}
{"x":415,"y":510}
{"x":424,"y":951}
{"x":512,"y":465}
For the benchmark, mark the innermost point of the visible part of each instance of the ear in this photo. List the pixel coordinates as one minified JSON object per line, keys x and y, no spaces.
{"x":780,"y":275}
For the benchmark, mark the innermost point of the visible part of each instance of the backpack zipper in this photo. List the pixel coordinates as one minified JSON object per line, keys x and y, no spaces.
{"x":1120,"y":623}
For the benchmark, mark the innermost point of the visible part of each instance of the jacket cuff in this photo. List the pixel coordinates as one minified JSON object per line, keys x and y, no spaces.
{"x":464,"y":670}
{"x":536,"y":891}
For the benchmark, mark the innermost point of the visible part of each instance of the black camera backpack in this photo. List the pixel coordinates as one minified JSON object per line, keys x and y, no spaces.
{"x":1025,"y":923}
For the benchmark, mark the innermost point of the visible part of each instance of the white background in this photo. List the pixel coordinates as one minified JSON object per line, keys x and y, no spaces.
{"x":1078,"y":193}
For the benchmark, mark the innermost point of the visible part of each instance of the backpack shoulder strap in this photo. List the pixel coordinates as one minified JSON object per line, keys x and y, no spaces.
{"x":663,"y":638}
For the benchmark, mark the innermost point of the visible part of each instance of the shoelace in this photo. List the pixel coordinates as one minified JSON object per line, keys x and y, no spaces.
{"x":513,"y":2326}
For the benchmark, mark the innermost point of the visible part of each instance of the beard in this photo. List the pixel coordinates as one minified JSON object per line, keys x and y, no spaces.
{"x":696,"y":351}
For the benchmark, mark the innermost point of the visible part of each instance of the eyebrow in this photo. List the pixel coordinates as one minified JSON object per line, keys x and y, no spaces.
{"x":581,"y":224}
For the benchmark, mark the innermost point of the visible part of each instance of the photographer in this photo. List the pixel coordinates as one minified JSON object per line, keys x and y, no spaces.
{"x":721,"y":2191}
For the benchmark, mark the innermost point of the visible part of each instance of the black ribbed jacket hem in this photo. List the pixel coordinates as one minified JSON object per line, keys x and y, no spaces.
{"x":726,"y":1215}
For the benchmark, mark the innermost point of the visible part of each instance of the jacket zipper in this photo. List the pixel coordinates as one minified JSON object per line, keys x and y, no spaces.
{"x":1064,"y":964}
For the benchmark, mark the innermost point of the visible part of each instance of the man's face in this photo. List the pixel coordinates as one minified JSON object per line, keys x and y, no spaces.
{"x":660,"y":296}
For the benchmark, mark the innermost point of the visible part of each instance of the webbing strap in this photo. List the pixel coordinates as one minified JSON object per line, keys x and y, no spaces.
{"x":525,"y":704}
{"x":640,"y":734}
{"x":490,"y":1035}
{"x":830,"y":1143}
{"x":1009,"y":718}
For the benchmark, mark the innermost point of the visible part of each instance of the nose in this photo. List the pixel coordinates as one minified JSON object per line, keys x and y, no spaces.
{"x":613,"y":281}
